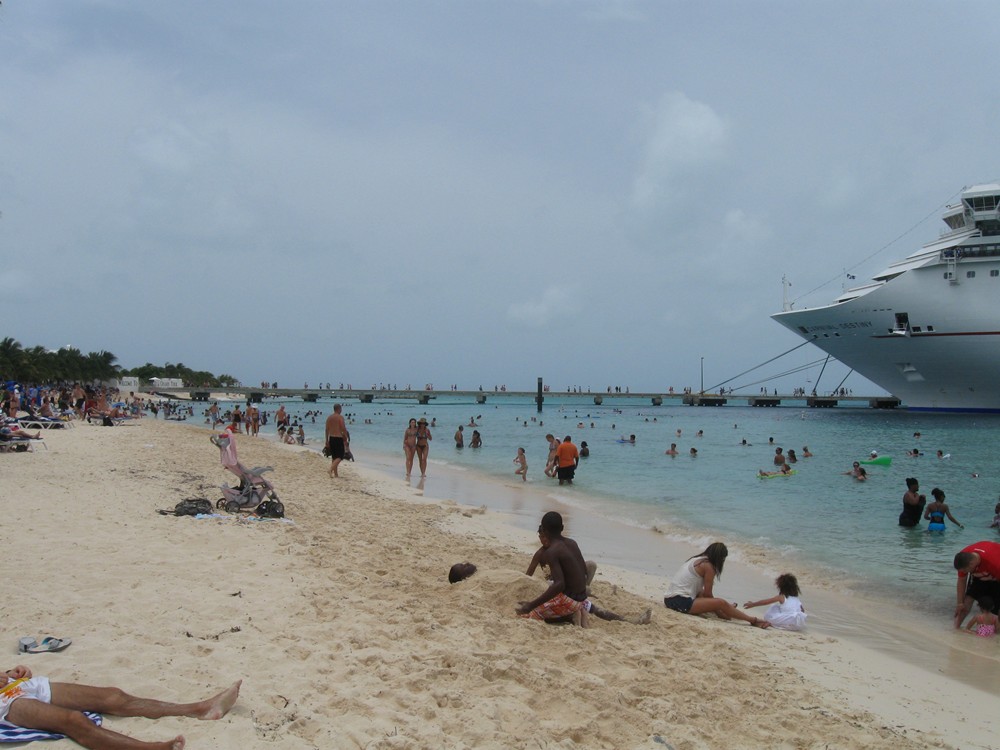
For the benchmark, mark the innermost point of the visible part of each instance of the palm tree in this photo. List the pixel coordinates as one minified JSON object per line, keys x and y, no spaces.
{"x":11,"y":352}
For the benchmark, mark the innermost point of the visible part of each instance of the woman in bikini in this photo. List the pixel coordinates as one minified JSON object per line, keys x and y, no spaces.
{"x":410,"y":445}
{"x":937,"y":510}
{"x":423,"y":445}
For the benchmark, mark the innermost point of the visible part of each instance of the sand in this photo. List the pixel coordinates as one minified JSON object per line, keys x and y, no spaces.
{"x":347,"y":635}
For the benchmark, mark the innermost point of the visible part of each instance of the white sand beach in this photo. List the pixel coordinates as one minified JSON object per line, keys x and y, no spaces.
{"x":347,"y":635}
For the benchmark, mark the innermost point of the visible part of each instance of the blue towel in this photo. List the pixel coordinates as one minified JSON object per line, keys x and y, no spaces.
{"x":13,"y":733}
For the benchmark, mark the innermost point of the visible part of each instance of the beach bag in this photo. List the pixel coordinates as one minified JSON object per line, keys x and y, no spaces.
{"x":270,"y":509}
{"x":192,"y":506}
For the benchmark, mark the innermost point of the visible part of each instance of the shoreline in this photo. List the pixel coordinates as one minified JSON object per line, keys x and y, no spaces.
{"x":643,"y":560}
{"x":352,"y":638}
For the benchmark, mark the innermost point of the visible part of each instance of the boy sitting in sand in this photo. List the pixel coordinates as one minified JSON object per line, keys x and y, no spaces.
{"x":567,"y":568}
{"x":36,"y":703}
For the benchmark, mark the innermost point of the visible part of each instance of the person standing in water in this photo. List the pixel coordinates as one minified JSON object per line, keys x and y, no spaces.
{"x":913,"y":504}
{"x":937,"y":510}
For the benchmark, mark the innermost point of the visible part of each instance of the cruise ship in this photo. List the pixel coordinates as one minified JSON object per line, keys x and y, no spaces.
{"x":927,"y":328}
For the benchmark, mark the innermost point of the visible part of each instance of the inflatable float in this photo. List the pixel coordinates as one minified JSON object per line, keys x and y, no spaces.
{"x":773,"y":474}
{"x":880,"y":461}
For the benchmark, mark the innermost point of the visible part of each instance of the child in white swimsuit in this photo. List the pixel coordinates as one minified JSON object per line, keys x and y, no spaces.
{"x":786,"y":611}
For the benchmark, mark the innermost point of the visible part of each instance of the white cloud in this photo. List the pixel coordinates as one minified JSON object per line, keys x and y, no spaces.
{"x":556,"y":302}
{"x":682,"y":136}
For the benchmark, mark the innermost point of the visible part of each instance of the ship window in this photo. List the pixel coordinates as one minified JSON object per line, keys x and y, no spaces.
{"x":994,"y":273}
{"x":970,"y":274}
{"x":983,"y":202}
{"x":916,"y":329}
{"x":930,"y":328}
{"x":949,"y":275}
{"x":902,"y":321}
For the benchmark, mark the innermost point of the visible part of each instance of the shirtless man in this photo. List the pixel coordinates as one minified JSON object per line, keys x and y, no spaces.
{"x":336,"y":439}
{"x":779,"y":457}
{"x":459,"y":438}
{"x":590,"y":568}
{"x":35,"y":703}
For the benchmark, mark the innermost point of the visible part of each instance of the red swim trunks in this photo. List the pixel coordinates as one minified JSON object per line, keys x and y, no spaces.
{"x":558,"y":606}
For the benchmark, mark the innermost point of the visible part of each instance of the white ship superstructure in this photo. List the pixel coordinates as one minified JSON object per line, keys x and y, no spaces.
{"x":927,"y":329}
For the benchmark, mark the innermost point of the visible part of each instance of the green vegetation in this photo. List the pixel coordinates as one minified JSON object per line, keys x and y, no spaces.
{"x":40,"y":365}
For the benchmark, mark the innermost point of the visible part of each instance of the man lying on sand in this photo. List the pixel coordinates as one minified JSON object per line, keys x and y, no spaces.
{"x":36,"y":703}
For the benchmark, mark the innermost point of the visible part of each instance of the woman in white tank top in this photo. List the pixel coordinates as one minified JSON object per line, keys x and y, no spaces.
{"x":690,"y":590}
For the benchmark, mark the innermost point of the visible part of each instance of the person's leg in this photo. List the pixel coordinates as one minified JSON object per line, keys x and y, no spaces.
{"x":116,"y":702}
{"x":33,"y":714}
{"x":409,"y":460}
{"x":725,"y":610}
{"x":607,"y":614}
{"x":423,"y":460}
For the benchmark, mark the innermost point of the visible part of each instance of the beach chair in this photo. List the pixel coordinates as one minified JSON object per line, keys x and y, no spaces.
{"x":253,"y":488}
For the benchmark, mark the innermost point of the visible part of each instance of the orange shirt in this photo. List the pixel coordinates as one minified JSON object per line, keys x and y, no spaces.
{"x":567,"y":454}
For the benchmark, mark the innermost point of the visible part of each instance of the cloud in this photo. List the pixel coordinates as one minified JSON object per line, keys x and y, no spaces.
{"x":556,"y":302}
{"x":683,"y":137}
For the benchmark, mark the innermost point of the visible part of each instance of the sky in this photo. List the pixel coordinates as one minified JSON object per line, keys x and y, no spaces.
{"x":475,"y":192}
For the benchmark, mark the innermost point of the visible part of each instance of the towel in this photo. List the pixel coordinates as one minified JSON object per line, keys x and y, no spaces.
{"x":13,"y":733}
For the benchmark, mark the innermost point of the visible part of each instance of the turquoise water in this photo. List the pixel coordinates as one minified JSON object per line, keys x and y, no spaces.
{"x":819,"y":518}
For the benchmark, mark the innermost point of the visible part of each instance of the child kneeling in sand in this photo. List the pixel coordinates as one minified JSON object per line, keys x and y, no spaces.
{"x":985,"y":623}
{"x":786,"y":611}
{"x":35,"y":703}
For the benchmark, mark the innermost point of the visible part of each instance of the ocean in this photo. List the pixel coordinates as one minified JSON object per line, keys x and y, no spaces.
{"x":818,"y":520}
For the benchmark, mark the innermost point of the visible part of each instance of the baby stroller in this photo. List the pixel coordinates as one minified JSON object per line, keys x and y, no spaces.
{"x":253,"y":488}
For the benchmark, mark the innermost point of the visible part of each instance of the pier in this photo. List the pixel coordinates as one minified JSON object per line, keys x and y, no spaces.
{"x":424,"y":397}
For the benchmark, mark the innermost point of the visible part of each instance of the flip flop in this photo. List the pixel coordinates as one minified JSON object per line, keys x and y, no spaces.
{"x":25,"y":643}
{"x":48,"y":644}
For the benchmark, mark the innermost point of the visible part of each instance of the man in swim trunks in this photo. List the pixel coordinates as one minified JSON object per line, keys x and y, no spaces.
{"x":336,"y":439}
{"x":568,"y":591}
{"x":567,"y":458}
{"x":981,"y":561}
{"x":35,"y":703}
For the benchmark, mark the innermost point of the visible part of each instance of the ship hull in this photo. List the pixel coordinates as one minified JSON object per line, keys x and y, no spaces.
{"x":947,"y":358}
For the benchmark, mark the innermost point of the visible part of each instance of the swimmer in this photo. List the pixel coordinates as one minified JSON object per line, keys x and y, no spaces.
{"x":672,"y":450}
{"x":858,"y":472}
{"x":805,"y":452}
{"x":785,"y":470}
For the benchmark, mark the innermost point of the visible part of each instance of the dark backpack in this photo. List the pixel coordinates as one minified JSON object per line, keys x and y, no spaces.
{"x":192,"y":506}
{"x":270,"y":509}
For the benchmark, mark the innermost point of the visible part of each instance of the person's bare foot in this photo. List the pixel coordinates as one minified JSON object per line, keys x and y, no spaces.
{"x":178,"y":742}
{"x":219,"y":705}
{"x":644,"y":618}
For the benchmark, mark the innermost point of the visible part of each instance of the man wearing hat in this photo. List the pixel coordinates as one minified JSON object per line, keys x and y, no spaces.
{"x":423,"y":444}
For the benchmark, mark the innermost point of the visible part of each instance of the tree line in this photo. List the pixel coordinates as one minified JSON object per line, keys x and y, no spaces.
{"x":37,"y":364}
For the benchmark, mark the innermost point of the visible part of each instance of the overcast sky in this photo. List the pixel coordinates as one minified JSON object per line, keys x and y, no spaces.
{"x":473,"y":192}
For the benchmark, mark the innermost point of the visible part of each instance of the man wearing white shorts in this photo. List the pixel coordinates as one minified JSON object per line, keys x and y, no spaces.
{"x":36,"y":703}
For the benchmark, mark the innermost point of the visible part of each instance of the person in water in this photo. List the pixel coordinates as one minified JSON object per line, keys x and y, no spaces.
{"x":937,"y":510}
{"x":913,"y":504}
{"x":858,"y":472}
